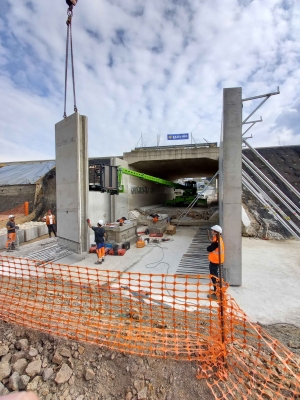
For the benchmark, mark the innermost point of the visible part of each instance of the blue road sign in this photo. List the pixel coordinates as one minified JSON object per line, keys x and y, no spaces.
{"x":178,"y":136}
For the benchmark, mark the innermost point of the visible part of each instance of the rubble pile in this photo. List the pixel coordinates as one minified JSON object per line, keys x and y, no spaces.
{"x":260,"y":222}
{"x":58,"y":369}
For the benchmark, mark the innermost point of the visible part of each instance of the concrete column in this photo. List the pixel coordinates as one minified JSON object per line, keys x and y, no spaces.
{"x":72,"y":182}
{"x":230,"y":190}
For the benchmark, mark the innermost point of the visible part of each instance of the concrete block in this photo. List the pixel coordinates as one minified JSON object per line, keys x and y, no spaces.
{"x":158,"y":230}
{"x":3,"y":237}
{"x":121,"y":234}
{"x":30,"y":233}
{"x":21,"y":234}
{"x":42,"y":229}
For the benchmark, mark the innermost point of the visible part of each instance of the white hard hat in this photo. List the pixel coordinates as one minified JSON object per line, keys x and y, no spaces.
{"x":100,"y":222}
{"x":216,"y":228}
{"x":11,"y":216}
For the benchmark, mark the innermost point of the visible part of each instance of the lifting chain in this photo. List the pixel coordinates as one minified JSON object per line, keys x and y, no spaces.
{"x":69,"y":40}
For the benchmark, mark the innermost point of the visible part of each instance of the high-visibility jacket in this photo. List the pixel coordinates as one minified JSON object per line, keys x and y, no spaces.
{"x":48,"y":219}
{"x":213,"y":256}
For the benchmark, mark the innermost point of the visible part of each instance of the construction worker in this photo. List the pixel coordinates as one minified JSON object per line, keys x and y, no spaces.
{"x":49,"y":218}
{"x":99,"y":239}
{"x":154,"y":218}
{"x":121,"y":221}
{"x":215,"y":257}
{"x":11,"y":233}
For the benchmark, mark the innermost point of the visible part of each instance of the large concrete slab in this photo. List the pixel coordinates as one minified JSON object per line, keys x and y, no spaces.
{"x":271,"y":276}
{"x":230,"y":189}
{"x":72,"y":182}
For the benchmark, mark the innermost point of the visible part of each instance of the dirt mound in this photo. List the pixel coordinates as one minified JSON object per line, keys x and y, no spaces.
{"x":55,"y":369}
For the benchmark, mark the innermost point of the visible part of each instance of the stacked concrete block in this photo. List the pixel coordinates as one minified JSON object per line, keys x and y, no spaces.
{"x":42,"y":228}
{"x":3,"y":236}
{"x":30,"y":233}
{"x":121,"y":234}
{"x":21,"y":235}
{"x":159,"y":226}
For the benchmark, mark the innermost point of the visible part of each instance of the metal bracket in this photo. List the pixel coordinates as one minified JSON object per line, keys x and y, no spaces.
{"x":266,"y":97}
{"x":248,"y":128}
{"x":262,"y":95}
{"x":253,"y":122}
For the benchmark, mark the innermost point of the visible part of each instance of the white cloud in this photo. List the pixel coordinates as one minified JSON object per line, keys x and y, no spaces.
{"x":155,"y":67}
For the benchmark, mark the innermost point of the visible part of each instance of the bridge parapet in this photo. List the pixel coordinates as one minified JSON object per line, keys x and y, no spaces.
{"x":175,"y":153}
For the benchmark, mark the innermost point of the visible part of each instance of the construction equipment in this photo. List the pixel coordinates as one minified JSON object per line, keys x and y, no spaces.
{"x":107,"y":178}
{"x":189,"y":188}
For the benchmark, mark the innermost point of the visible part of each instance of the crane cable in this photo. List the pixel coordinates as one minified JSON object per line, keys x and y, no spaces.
{"x":69,"y":40}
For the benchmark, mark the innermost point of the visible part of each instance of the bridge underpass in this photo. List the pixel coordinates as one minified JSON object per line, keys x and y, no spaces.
{"x":184,"y":161}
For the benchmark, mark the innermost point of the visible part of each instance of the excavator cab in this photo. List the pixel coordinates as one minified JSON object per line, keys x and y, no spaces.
{"x":190,"y":188}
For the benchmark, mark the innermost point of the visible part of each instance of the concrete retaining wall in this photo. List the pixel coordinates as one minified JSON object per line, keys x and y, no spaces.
{"x":15,"y":196}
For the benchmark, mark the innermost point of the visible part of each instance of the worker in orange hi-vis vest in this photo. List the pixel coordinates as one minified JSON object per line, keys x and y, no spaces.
{"x":11,"y":233}
{"x":216,"y":255}
{"x":49,"y":218}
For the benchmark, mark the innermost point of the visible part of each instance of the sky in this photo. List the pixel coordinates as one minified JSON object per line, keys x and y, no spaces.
{"x":145,"y":69}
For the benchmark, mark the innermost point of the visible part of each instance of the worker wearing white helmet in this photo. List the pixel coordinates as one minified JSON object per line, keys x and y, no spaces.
{"x":99,"y":239}
{"x":216,"y":256}
{"x":11,"y":233}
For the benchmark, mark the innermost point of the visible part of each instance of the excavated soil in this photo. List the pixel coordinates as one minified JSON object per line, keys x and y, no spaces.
{"x":69,"y":370}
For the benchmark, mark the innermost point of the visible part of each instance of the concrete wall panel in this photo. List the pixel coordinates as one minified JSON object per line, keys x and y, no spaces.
{"x":72,"y":180}
{"x":230,"y":189}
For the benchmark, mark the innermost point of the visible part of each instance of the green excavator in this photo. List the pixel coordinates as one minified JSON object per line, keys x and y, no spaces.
{"x":189,"y":189}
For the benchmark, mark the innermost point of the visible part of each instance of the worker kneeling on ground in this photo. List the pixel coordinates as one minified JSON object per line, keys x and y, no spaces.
{"x":11,"y":233}
{"x":99,"y":239}
{"x":216,"y":256}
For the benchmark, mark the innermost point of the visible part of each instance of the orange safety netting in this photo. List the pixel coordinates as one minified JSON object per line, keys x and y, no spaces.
{"x":167,"y":316}
{"x":18,"y":211}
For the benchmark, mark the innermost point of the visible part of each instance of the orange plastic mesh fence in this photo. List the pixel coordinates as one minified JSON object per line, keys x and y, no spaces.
{"x":167,"y":316}
{"x":18,"y":211}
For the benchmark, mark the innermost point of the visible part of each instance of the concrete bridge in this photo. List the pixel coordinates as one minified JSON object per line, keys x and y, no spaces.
{"x":175,"y":162}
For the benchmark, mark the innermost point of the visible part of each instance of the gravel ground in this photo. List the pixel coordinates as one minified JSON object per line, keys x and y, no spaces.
{"x":58,"y":369}
{"x":287,"y":334}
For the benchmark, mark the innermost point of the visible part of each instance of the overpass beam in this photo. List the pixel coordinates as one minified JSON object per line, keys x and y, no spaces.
{"x":230,"y":167}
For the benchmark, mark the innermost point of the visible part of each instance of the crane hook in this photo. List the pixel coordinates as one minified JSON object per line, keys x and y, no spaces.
{"x":71,"y":3}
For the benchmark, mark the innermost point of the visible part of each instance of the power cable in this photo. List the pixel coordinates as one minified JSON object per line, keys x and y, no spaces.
{"x":157,"y":263}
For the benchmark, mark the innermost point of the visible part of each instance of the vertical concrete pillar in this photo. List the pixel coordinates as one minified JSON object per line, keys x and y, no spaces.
{"x":230,"y":189}
{"x":72,"y":182}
